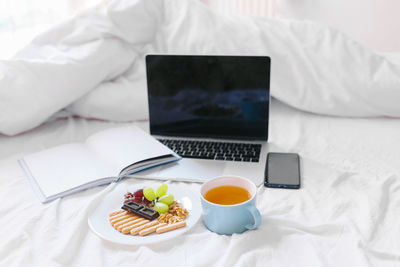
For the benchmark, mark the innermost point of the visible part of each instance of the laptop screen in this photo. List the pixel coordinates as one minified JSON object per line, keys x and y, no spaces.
{"x":209,"y":96}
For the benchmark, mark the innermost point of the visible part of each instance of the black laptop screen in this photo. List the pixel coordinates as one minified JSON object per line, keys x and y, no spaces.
{"x":209,"y":96}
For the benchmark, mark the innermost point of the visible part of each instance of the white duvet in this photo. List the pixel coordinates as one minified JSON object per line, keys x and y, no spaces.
{"x":92,"y":65}
{"x":345,"y":214}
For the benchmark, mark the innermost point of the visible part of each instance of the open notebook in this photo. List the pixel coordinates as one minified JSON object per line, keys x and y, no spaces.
{"x":105,"y":157}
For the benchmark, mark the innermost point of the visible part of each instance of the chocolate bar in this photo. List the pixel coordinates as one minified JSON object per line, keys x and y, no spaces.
{"x":140,"y":210}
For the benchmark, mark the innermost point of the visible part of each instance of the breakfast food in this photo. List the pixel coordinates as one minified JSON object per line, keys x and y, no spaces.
{"x":176,"y":213}
{"x":151,"y":229}
{"x":147,"y":211}
{"x":136,"y":230}
{"x":170,"y":227}
{"x":140,"y":210}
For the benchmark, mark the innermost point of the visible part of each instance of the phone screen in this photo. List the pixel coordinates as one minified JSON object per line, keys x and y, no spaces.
{"x":282,"y":170}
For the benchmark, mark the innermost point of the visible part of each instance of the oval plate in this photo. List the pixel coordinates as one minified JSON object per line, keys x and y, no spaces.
{"x":100,"y":225}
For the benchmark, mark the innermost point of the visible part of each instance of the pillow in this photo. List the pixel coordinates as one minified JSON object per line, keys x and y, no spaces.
{"x":375,"y":24}
{"x":93,"y":64}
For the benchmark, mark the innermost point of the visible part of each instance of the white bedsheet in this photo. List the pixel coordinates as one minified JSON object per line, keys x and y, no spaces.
{"x":93,"y":64}
{"x":345,"y":214}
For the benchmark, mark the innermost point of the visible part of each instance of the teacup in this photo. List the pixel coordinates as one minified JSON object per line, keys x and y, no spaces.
{"x":234,"y":218}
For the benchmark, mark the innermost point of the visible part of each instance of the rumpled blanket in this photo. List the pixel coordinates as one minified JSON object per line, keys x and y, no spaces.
{"x":93,"y":64}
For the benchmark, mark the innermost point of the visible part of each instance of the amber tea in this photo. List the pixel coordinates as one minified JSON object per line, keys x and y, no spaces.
{"x":227,"y":195}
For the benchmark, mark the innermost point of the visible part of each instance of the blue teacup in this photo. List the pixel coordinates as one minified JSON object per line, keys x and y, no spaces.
{"x":230,"y":219}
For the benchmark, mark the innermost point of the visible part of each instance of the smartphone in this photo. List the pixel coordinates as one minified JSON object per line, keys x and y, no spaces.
{"x":282,"y":170}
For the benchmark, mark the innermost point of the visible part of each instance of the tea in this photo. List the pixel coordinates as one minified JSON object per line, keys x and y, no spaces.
{"x":227,"y":195}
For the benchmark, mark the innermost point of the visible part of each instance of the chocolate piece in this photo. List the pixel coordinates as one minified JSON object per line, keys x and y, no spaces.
{"x":133,"y":206}
{"x":149,"y":212}
{"x":140,"y":210}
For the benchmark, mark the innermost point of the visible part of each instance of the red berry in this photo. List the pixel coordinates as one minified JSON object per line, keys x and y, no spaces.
{"x":139,"y":193}
{"x":137,"y":200}
{"x":128,"y":200}
{"x":128,"y":195}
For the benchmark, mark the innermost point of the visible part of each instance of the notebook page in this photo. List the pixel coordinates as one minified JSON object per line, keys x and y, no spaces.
{"x":123,"y":146}
{"x":64,"y":167}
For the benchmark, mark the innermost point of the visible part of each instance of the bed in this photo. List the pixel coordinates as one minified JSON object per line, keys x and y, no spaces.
{"x":335,"y":103}
{"x":345,"y":214}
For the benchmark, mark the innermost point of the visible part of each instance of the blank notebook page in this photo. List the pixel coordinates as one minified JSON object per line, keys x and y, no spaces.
{"x":121,"y":147}
{"x":65,"y":167}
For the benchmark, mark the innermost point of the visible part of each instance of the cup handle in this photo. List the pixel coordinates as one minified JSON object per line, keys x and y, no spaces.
{"x":256,"y":216}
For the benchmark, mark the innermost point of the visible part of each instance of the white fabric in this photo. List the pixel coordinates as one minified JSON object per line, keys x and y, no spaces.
{"x":345,"y":214}
{"x":93,"y":65}
{"x":375,"y":23}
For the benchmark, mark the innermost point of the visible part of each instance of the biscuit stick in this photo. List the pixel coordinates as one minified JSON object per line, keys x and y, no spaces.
{"x":120,"y":218}
{"x":136,"y":230}
{"x":114,"y":213}
{"x":128,"y":229}
{"x":151,"y":229}
{"x":113,"y":218}
{"x":126,"y":221}
{"x":133,"y":222}
{"x":170,"y":227}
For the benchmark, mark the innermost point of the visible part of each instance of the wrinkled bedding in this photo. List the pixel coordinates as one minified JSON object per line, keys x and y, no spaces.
{"x":345,"y":214}
{"x":93,"y":64}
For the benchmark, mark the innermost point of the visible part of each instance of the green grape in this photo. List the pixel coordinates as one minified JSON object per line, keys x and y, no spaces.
{"x":161,"y":207}
{"x":167,"y":199}
{"x":149,"y":194}
{"x":161,"y":190}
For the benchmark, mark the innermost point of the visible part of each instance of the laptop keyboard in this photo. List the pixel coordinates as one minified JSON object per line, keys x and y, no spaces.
{"x":214,"y":150}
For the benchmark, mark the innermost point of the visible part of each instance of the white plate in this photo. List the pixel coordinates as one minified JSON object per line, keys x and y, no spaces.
{"x":100,"y":225}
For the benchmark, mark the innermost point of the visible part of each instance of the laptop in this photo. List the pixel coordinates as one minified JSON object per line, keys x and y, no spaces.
{"x":211,"y":110}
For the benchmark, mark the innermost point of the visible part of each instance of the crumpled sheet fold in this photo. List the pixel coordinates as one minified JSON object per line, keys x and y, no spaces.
{"x":93,"y":64}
